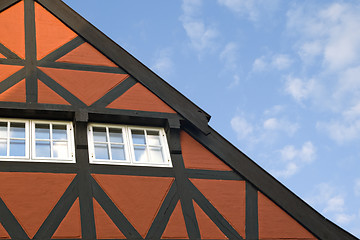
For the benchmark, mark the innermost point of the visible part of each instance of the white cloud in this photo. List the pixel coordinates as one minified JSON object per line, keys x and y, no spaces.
{"x":253,"y":10}
{"x":294,"y":159}
{"x":201,"y":36}
{"x":163,"y":63}
{"x":281,"y":61}
{"x":327,"y":31}
{"x":290,"y":169}
{"x":275,"y":61}
{"x":259,"y":64}
{"x":235,"y":81}
{"x":299,"y":89}
{"x":275,"y":124}
{"x":308,"y":51}
{"x":357,"y":187}
{"x":274,"y":110}
{"x":331,"y":202}
{"x":242,"y":127}
{"x":229,"y":55}
{"x":348,"y":85}
{"x":341,"y":131}
{"x":344,"y":219}
{"x":334,"y":204}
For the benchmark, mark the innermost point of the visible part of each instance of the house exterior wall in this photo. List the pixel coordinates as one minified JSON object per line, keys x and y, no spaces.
{"x":47,"y":71}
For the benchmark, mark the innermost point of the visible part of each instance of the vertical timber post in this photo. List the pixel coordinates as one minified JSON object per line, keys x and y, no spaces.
{"x":181,"y":180}
{"x":85,"y":189}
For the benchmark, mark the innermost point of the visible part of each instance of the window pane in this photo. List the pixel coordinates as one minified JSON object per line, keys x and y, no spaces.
{"x":118,"y":152}
{"x":42,"y":149}
{"x":156,"y":155}
{"x":99,"y":134}
{"x":3,"y":148}
{"x":153,"y":138}
{"x":3,"y":129}
{"x":140,"y":154}
{"x":59,"y":132}
{"x":42,"y":131}
{"x":60,"y":150}
{"x":116,"y":135}
{"x":17,"y":148}
{"x":138,"y":137}
{"x":17,"y":130}
{"x":101,"y":151}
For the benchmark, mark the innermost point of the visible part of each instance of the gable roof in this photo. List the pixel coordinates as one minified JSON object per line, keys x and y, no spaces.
{"x":196,"y":123}
{"x":135,"y":68}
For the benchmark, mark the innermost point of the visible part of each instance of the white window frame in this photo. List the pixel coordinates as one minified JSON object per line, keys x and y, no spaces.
{"x":30,"y":142}
{"x":128,"y":146}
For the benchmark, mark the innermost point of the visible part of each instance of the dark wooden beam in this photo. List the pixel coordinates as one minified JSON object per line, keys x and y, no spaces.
{"x":11,"y":225}
{"x":252,"y":216}
{"x":4,"y":4}
{"x":186,"y":199}
{"x":85,"y":186}
{"x":30,"y":52}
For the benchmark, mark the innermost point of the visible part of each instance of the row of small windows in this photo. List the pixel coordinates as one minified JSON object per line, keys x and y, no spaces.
{"x":45,"y":141}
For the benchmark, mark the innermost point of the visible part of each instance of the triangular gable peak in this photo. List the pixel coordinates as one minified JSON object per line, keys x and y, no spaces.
{"x":58,"y":61}
{"x":80,"y":64}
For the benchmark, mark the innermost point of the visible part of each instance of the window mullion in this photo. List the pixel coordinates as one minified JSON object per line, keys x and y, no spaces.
{"x":51,"y":142}
{"x":147,"y":146}
{"x":108,"y":143}
{"x":8,"y":140}
{"x":130,"y":144}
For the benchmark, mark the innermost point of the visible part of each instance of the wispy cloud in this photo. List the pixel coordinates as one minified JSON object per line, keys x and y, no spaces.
{"x":265,"y":130}
{"x":242,"y":127}
{"x":345,"y":127}
{"x":201,"y":36}
{"x":327,"y":31}
{"x":229,"y":55}
{"x":293,"y":159}
{"x":357,"y":187}
{"x":163,"y":63}
{"x":300,"y":89}
{"x":252,"y":10}
{"x":329,"y":47}
{"x":272,"y":62}
{"x":332,"y":202}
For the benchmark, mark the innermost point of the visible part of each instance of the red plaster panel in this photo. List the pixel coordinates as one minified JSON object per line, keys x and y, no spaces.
{"x":228,"y":197}
{"x":138,"y":198}
{"x":12,"y":30}
{"x":88,"y":55}
{"x":8,"y":70}
{"x":70,"y":227}
{"x":16,"y":93}
{"x":3,"y":233}
{"x":208,"y":229}
{"x":196,"y":156}
{"x":105,"y":227}
{"x":87,"y":86}
{"x":51,"y":33}
{"x":47,"y":95}
{"x":32,"y":196}
{"x":176,"y":227}
{"x":2,"y":56}
{"x":140,"y":98}
{"x":274,"y":223}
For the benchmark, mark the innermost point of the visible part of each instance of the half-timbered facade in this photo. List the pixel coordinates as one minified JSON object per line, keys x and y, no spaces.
{"x":94,"y":145}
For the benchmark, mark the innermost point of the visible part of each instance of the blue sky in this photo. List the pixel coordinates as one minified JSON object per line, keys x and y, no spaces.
{"x":281,"y":80}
